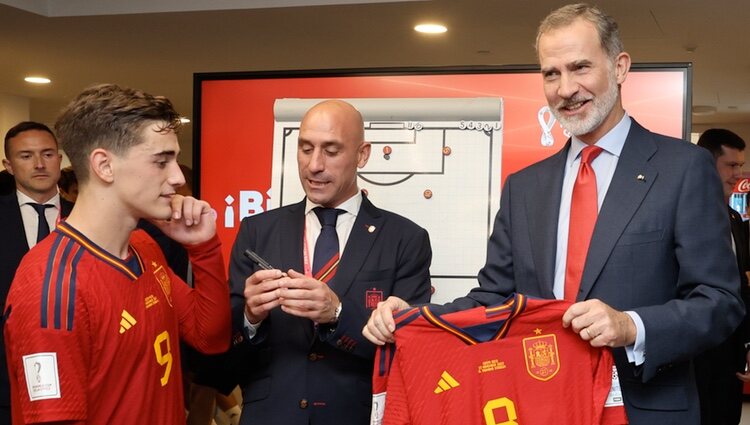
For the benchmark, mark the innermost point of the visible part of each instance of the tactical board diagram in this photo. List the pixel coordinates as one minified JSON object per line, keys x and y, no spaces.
{"x":436,"y":161}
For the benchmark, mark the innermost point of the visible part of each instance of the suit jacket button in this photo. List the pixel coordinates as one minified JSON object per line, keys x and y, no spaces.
{"x":303,"y":403}
{"x":312,"y":357}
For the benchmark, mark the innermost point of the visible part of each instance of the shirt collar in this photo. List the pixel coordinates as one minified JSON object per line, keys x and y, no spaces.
{"x":24,"y":199}
{"x":351,"y":205}
{"x":611,"y":142}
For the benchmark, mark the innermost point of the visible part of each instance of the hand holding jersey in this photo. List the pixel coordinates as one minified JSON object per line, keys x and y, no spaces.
{"x":592,"y":320}
{"x":600,"y":324}
{"x":381,"y":326}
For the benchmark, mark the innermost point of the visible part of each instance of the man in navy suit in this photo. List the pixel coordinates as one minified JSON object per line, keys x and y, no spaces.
{"x":657,"y":280}
{"x":307,"y":360}
{"x":719,"y":389}
{"x":33,"y":159}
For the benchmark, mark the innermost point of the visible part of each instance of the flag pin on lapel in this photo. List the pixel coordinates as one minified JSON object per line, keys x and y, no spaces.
{"x":641,"y":177}
{"x":371,"y":228}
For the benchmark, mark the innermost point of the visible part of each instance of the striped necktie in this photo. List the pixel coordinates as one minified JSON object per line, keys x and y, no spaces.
{"x":326,"y":257}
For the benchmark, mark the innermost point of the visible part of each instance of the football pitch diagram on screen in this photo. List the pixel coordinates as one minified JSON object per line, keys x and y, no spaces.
{"x":436,"y":161}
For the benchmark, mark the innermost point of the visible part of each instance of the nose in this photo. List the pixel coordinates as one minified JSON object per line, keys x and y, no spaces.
{"x":39,"y":162}
{"x":176,"y":178}
{"x":317,"y":161}
{"x":568,"y":86}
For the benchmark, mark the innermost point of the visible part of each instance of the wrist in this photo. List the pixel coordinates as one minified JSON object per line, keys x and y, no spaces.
{"x":337,"y":312}
{"x":251,"y":318}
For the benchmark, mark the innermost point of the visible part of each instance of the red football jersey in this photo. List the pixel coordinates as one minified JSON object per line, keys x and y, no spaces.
{"x":93,"y":338}
{"x":509,"y":364}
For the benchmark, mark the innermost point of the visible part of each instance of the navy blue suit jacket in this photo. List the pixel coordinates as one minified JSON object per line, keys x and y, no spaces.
{"x":660,"y":248}
{"x":12,"y":249}
{"x":299,"y":374}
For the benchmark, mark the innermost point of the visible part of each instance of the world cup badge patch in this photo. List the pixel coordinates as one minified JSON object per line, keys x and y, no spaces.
{"x":372,"y":297}
{"x":542,"y":360}
{"x":162,"y":277}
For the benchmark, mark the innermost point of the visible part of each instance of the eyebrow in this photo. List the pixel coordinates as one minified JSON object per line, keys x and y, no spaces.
{"x":42,"y":151}
{"x":578,"y":63}
{"x":570,"y":65}
{"x":324,"y":144}
{"x":165,"y":153}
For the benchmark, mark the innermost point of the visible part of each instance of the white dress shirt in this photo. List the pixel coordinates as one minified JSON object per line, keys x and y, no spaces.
{"x":31,"y":218}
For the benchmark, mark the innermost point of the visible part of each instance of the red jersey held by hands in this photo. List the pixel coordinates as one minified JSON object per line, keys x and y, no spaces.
{"x":509,"y":364}
{"x":90,"y":337}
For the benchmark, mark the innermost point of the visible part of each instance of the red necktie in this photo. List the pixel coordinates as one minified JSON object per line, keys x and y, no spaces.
{"x":583,"y":212}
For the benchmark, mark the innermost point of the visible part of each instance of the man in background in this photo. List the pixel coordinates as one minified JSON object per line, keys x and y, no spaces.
{"x":719,"y":389}
{"x":68,"y":184}
{"x":334,"y":255}
{"x":27,"y":214}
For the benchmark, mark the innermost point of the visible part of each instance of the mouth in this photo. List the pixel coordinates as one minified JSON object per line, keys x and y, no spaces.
{"x":573,"y":106}
{"x":316,"y":184}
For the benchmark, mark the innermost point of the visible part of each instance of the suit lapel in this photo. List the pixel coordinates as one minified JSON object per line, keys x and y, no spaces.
{"x":543,"y":210}
{"x":16,"y":236}
{"x":65,"y":208}
{"x":290,"y":239}
{"x":623,"y":198}
{"x":367,"y":226}
{"x":740,"y":242}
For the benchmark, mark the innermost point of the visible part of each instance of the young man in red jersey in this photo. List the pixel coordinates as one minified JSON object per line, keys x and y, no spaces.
{"x":94,"y":315}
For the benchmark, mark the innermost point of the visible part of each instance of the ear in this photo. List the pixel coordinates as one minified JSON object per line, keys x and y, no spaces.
{"x":622,"y":66}
{"x":363,"y":154}
{"x":100,"y":162}
{"x":7,"y":166}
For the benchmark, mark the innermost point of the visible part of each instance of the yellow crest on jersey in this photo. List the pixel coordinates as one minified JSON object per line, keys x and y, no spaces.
{"x":162,"y":277}
{"x":540,"y":352}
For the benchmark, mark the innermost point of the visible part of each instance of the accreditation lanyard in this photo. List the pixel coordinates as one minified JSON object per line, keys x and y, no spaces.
{"x":306,"y":252}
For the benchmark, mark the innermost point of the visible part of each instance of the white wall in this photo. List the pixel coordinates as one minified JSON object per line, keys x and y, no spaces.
{"x":13,"y":109}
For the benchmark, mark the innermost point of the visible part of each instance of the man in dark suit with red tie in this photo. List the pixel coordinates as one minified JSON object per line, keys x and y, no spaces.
{"x":719,"y":389}
{"x":334,"y":255}
{"x":655,"y":278}
{"x":33,"y":158}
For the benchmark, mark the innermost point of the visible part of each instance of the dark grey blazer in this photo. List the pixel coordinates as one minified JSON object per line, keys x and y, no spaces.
{"x":660,"y":248}
{"x":300,"y":375}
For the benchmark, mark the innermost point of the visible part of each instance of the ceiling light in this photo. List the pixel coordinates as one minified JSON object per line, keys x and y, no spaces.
{"x":430,"y":28}
{"x":184,"y":120}
{"x":703,"y":110}
{"x":37,"y":80}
